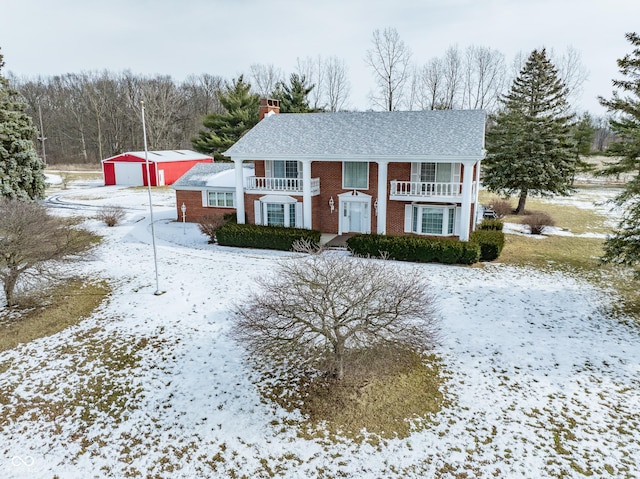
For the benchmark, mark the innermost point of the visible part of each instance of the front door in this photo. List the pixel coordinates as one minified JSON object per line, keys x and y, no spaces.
{"x":355,"y":214}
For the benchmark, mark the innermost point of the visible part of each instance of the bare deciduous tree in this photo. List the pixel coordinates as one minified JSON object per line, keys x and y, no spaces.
{"x":265,"y":78}
{"x":32,"y":242}
{"x":452,"y":69}
{"x":390,"y":61}
{"x":338,"y":87}
{"x":320,"y":309}
{"x":484,"y":74}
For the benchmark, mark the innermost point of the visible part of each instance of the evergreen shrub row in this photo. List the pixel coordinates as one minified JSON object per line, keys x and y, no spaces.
{"x":491,"y":224}
{"x":264,"y":237}
{"x":490,"y":242}
{"x":415,"y":248}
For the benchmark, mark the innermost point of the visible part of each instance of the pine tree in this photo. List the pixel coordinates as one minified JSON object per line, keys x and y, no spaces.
{"x":583,"y":133}
{"x":530,"y":150}
{"x":21,"y":171}
{"x":224,"y":129}
{"x":623,"y":247}
{"x":294,"y":98}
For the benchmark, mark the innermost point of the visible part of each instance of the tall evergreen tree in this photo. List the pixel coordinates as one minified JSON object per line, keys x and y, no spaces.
{"x":530,"y":148}
{"x":21,"y":171}
{"x":294,"y":97}
{"x":583,"y":133}
{"x":623,"y":247}
{"x":224,"y":129}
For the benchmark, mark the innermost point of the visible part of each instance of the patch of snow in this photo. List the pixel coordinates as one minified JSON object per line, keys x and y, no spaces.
{"x":542,"y":382}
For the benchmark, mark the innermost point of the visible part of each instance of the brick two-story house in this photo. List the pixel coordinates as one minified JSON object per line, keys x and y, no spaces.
{"x":361,"y":172}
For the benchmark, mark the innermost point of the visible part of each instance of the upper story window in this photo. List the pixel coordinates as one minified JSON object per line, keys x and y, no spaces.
{"x":282,"y":169}
{"x":355,"y":175}
{"x":435,"y":172}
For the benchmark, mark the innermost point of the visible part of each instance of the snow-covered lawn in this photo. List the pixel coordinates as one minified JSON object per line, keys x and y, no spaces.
{"x":541,"y":382}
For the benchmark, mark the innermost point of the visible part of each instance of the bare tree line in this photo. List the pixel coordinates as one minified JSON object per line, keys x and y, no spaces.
{"x":90,"y":116}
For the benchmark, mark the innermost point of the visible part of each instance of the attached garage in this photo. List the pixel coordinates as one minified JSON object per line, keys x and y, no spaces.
{"x":165,"y":167}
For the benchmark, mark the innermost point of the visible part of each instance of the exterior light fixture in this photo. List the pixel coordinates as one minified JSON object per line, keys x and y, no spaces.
{"x":183,"y":208}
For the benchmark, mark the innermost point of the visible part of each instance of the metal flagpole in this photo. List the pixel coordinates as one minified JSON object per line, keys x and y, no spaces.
{"x":153,"y":231}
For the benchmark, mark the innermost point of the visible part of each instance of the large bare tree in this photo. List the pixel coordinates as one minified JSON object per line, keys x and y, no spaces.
{"x":323,"y":309}
{"x":389,"y":58}
{"x":265,"y":78}
{"x":338,"y":87}
{"x":32,"y":242}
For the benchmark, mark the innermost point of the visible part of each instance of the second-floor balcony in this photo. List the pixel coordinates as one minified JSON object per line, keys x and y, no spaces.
{"x":258,"y":184}
{"x":402,"y":190}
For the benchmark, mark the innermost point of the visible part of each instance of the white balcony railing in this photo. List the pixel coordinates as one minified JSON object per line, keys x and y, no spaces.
{"x":422,"y":189}
{"x":290,"y":185}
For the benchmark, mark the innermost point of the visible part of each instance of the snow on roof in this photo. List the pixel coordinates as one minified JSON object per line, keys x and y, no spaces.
{"x":166,"y":155}
{"x":211,"y":175}
{"x":365,"y":134}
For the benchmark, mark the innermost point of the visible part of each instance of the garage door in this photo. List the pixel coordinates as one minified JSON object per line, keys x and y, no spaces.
{"x":129,"y":174}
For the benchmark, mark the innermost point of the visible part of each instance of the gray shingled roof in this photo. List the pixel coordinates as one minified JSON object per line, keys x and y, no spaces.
{"x":367,"y":134}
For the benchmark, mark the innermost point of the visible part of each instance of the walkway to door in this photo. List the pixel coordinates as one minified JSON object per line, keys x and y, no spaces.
{"x":336,"y":241}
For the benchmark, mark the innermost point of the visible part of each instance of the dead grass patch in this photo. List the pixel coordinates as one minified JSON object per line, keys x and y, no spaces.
{"x":564,"y":253}
{"x":381,"y":398}
{"x":568,"y":217}
{"x":56,"y":309}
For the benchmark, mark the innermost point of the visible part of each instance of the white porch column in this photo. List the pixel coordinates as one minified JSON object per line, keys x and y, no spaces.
{"x":467,"y":199}
{"x":306,"y":193}
{"x":382,"y":197}
{"x":477,"y":193}
{"x":239,"y":191}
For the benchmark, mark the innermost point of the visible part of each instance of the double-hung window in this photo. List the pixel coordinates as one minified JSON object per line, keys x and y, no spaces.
{"x":221,"y":199}
{"x":285,"y":169}
{"x":355,"y":175}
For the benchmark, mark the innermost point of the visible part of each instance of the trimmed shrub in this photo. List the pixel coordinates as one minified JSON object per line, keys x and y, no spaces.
{"x":537,"y":221}
{"x":264,"y":237}
{"x":414,"y":248}
{"x":489,"y":224}
{"x":490,"y":243}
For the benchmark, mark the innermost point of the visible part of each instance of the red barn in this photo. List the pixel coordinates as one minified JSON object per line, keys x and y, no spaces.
{"x":165,"y":167}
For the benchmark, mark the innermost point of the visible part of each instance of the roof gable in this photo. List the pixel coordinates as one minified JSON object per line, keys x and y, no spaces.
{"x":458,"y":133}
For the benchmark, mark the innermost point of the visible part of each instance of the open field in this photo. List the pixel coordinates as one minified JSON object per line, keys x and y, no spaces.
{"x":540,"y":379}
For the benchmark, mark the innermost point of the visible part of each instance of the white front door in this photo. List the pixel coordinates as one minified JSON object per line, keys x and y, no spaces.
{"x":355,"y":214}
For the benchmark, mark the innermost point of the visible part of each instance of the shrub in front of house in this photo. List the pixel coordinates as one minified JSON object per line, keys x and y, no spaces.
{"x":489,"y":241}
{"x":210,"y":224}
{"x":491,"y":224}
{"x":264,"y":237}
{"x":415,"y":248}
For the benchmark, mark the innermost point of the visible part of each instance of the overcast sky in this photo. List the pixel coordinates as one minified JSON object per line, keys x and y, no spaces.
{"x":224,"y":37}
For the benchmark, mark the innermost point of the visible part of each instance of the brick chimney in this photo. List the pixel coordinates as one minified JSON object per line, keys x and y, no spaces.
{"x":268,"y":107}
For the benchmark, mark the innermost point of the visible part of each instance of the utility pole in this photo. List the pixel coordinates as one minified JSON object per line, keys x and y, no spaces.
{"x":42,"y":138}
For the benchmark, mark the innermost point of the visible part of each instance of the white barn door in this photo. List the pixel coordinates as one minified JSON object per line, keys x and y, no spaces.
{"x":129,"y":173}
